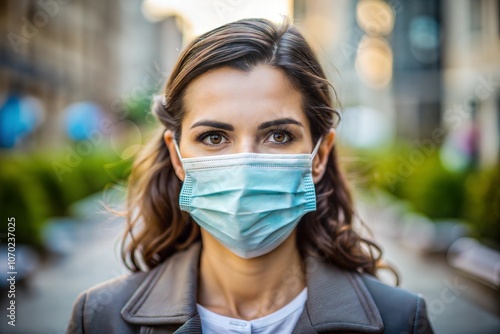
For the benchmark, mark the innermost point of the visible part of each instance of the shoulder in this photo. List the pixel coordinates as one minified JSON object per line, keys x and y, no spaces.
{"x":98,"y":308}
{"x":400,"y":309}
{"x":124,"y":304}
{"x":341,"y":300}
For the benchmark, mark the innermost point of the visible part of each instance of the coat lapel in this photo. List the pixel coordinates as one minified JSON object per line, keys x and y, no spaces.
{"x":168,"y":294}
{"x":337,"y":301}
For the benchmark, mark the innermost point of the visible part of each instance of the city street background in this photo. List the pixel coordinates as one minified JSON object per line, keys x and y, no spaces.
{"x":418,"y":88}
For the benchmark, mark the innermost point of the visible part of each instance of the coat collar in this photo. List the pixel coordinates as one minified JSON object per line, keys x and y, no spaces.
{"x":337,"y":300}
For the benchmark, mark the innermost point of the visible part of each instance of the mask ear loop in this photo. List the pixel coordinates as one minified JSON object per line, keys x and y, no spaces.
{"x":177,"y":149}
{"x":316,"y":148}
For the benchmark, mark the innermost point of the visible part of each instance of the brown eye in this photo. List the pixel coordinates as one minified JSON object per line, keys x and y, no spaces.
{"x":279,"y":137}
{"x":211,"y":138}
{"x":215,"y":139}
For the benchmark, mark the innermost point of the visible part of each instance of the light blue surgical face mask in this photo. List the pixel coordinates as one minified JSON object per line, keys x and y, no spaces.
{"x":249,"y":202}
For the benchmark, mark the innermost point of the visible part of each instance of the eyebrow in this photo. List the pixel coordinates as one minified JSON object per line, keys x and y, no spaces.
{"x":229,"y":127}
{"x":280,"y":121}
{"x":214,"y":124}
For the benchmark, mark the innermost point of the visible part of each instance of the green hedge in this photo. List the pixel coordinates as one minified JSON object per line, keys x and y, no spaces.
{"x":419,"y":177}
{"x":482,"y":204}
{"x":32,"y":191}
{"x":25,"y":199}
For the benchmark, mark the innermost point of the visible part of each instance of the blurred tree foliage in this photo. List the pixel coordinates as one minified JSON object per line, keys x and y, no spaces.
{"x":32,"y":191}
{"x":418,"y":176}
{"x":482,"y":205}
{"x":138,"y":109}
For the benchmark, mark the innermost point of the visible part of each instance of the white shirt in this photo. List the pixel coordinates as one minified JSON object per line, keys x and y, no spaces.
{"x":280,"y":321}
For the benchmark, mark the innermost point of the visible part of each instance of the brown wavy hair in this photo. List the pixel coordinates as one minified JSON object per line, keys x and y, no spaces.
{"x":157,"y":228}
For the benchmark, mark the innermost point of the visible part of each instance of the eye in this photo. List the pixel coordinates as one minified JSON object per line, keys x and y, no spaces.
{"x":280,"y":137}
{"x":211,"y":138}
{"x":215,"y":139}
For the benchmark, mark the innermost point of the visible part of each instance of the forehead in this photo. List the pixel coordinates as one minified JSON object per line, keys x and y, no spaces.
{"x":225,"y":91}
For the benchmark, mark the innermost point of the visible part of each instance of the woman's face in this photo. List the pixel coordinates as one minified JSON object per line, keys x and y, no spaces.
{"x":232,"y":111}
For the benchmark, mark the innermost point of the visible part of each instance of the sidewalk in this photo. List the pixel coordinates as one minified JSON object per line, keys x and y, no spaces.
{"x":45,"y":305}
{"x":452,"y":300}
{"x":456,"y":304}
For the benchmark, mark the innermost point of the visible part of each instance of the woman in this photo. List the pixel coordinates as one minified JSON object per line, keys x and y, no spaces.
{"x":240,"y":220}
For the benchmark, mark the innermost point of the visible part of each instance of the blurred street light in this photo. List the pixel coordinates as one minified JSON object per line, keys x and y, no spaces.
{"x":374,"y":61}
{"x":374,"y":57}
{"x":375,"y":17}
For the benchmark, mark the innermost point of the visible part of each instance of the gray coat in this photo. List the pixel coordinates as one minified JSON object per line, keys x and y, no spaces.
{"x":164,"y":301}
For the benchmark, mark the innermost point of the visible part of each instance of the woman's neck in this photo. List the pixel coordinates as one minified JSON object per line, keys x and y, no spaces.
{"x":249,"y":288}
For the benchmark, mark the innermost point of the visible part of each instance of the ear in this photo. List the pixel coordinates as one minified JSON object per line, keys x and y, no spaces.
{"x":321,"y":159}
{"x":168,"y":137}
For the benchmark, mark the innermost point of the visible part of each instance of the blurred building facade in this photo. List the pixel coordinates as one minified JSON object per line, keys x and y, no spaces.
{"x":388,"y":55}
{"x":429,"y":68}
{"x":423,"y":69}
{"x":471,"y":74}
{"x":60,"y":52}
